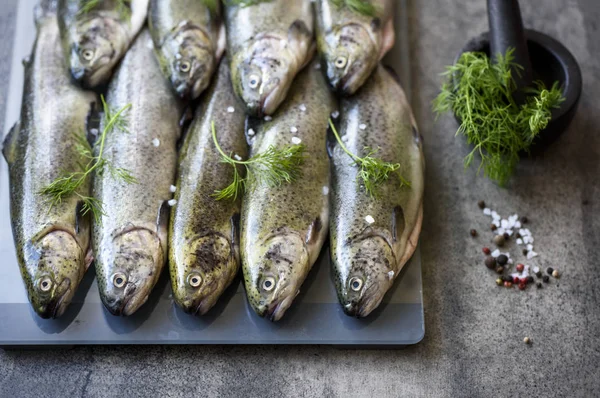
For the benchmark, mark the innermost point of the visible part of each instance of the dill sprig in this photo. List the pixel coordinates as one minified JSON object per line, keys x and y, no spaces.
{"x":373,"y":171}
{"x":123,"y":7}
{"x":273,"y":167}
{"x":359,"y":6}
{"x":69,"y":184}
{"x":480,"y":93}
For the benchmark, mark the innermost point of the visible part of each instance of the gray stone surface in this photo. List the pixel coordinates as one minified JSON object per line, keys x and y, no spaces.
{"x":473,"y":345}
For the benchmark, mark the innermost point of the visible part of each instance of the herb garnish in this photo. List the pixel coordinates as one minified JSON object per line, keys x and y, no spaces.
{"x":272,"y":167}
{"x":359,"y":6}
{"x":480,"y":93}
{"x":373,"y":171}
{"x":123,"y":7}
{"x":68,"y":184}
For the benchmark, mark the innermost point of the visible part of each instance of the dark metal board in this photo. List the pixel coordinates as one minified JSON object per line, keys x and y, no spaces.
{"x":315,"y":318}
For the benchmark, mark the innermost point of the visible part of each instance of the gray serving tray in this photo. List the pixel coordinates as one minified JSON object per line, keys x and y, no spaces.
{"x":315,"y":318}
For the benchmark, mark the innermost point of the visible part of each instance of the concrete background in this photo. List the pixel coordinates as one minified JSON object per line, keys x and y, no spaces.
{"x":474,"y":330}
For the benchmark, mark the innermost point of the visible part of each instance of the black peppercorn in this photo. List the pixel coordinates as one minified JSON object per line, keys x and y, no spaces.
{"x":499,"y":270}
{"x":473,"y":233}
{"x":525,"y":251}
{"x":546,"y":279}
{"x":550,"y":270}
{"x":506,"y":236}
{"x":538,"y":274}
{"x":481,"y":204}
{"x":502,"y":259}
{"x":530,"y":279}
{"x":524,"y":220}
{"x":493,"y":227}
{"x":539,"y":285}
{"x":490,"y":262}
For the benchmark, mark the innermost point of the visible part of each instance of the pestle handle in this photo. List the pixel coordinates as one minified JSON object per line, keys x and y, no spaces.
{"x":506,"y":31}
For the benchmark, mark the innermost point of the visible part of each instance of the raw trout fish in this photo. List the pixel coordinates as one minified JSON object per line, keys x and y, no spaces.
{"x":372,"y":238}
{"x":52,"y":241}
{"x":284,"y":227}
{"x":189,"y":39}
{"x":204,"y":235}
{"x":351,"y":42}
{"x":131,"y":242}
{"x":268,"y":44}
{"x":96,"y":34}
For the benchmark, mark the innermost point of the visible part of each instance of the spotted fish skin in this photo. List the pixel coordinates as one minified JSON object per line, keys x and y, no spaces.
{"x":204,"y":232}
{"x":189,"y":38}
{"x":268,"y":44}
{"x":131,"y":241}
{"x":371,"y":239}
{"x":52,"y":242}
{"x":351,"y":44}
{"x":283,"y":228}
{"x":96,"y":35}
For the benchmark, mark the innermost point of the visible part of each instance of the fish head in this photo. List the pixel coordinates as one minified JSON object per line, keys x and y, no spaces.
{"x":261,"y":81}
{"x":96,"y":47}
{"x":208,"y":266}
{"x":135,"y":260}
{"x":350,"y":56}
{"x":368,"y":274}
{"x":283,"y":264}
{"x":189,"y":62}
{"x":55,"y":264}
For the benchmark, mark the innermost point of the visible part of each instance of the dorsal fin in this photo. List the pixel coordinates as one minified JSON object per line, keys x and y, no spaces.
{"x":10,"y":143}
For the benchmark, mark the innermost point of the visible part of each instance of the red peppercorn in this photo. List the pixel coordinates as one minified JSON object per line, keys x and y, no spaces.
{"x":522,"y":286}
{"x":487,"y":251}
{"x":507,"y":284}
{"x":516,"y":280}
{"x":520,"y":267}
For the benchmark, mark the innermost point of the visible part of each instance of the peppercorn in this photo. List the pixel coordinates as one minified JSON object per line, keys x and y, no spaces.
{"x":526,"y":340}
{"x":499,"y":240}
{"x":473,"y":233}
{"x":520,"y":267}
{"x":507,"y":284}
{"x":522,"y":286}
{"x":481,"y":204}
{"x":499,"y":282}
{"x":493,"y":227}
{"x":525,"y":251}
{"x":550,"y":270}
{"x":546,"y":279}
{"x":555,"y":273}
{"x":538,"y":274}
{"x":524,"y":220}
{"x":499,"y":270}
{"x":539,"y":285}
{"x":506,"y":236}
{"x":530,"y":279}
{"x":516,"y":280}
{"x":502,"y":259}
{"x":487,"y":251}
{"x":490,"y":262}
{"x":507,"y":278}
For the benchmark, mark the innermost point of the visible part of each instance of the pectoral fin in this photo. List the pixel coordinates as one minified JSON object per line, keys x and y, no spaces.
{"x":221,"y":43}
{"x":10,"y":144}
{"x":388,"y":38}
{"x":300,"y":36}
{"x":162,"y":224}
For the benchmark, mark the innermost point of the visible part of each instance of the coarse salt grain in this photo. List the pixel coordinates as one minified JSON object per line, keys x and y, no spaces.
{"x":496,"y":253}
{"x":531,"y":255}
{"x":504,"y":224}
{"x":496,"y":223}
{"x":94,"y":132}
{"x":268,"y":118}
{"x":303,"y":108}
{"x":362,"y":126}
{"x":230,"y":109}
{"x":296,"y":140}
{"x":237,"y":157}
{"x":517,"y":224}
{"x":519,"y":241}
{"x":251,"y":132}
{"x":536,"y":270}
{"x":529,"y":247}
{"x":156,"y":142}
{"x":172,"y":202}
{"x":173,"y":188}
{"x":318,"y":66}
{"x":294,"y":129}
{"x":391,"y":274}
{"x":335,"y":114}
{"x":325,"y":190}
{"x":150,"y":44}
{"x":369,"y":219}
{"x":487,"y":211}
{"x":495,"y":214}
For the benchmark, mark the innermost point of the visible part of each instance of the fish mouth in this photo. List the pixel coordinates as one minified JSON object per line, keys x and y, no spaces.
{"x":57,"y":307}
{"x":120,"y":307}
{"x":348,"y":84}
{"x":276,"y":310}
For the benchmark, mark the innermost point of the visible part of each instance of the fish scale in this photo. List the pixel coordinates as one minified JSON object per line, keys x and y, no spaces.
{"x":372,"y":238}
{"x":283,"y":228}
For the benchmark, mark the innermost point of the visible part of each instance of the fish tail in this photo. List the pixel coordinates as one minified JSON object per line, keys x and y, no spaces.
{"x":45,"y":9}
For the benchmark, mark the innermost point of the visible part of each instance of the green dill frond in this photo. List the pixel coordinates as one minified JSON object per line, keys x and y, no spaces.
{"x":87,"y":6}
{"x":480,"y":94}
{"x":274,"y":167}
{"x":69,"y":184}
{"x":123,"y":7}
{"x":363,"y":7}
{"x":373,"y":171}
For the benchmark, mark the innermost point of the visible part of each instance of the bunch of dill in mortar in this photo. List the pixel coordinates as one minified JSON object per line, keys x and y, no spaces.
{"x":480,"y":94}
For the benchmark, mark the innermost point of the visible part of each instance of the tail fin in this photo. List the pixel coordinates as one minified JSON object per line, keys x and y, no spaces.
{"x":45,"y":9}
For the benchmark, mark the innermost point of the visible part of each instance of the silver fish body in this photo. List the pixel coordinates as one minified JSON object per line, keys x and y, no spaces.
{"x":96,"y":34}
{"x":283,"y":228}
{"x":351,"y":44}
{"x":189,"y":38}
{"x":204,"y":234}
{"x":131,"y":242}
{"x":373,"y":238}
{"x":268,"y":44}
{"x":52,"y":242}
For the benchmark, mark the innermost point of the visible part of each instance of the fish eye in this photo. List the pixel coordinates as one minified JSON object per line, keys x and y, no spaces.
{"x":87,"y":54}
{"x":268,"y":283}
{"x":356,"y":284}
{"x":45,"y":284}
{"x":254,"y":81}
{"x":341,"y":62}
{"x":194,"y":280}
{"x":119,"y":280}
{"x":185,"y":67}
